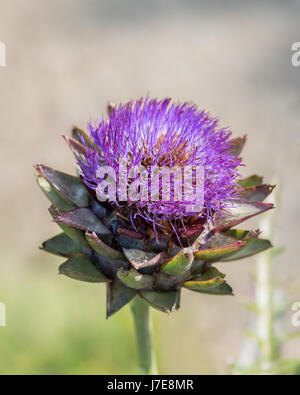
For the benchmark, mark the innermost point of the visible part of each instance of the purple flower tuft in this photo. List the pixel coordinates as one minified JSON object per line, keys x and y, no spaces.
{"x":150,"y":132}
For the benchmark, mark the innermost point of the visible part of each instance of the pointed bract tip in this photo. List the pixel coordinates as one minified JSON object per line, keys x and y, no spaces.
{"x":110,"y":108}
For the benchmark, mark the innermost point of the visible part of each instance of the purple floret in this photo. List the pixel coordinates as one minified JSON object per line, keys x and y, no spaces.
{"x":153,"y":132}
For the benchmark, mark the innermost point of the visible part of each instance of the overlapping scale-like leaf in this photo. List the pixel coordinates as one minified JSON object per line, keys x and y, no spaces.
{"x":238,"y":145}
{"x":142,"y":259}
{"x":166,"y":302}
{"x":251,"y":181}
{"x":85,"y":219}
{"x":61,"y":245}
{"x":252,"y":247}
{"x":70,"y":187}
{"x":218,"y":247}
{"x":101,"y":248}
{"x":209,"y":280}
{"x":79,"y":267}
{"x":78,"y":150}
{"x":256,"y":193}
{"x":179,"y":266}
{"x":79,"y":134}
{"x":118,"y":295}
{"x":135,"y":280}
{"x":239,"y":212}
{"x":55,"y":198}
{"x":75,"y":234}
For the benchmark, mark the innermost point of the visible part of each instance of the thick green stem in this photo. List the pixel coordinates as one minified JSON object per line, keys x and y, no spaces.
{"x":142,"y":321}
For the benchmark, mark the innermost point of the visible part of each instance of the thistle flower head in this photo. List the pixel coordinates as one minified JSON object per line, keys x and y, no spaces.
{"x":148,"y":132}
{"x":119,"y":242}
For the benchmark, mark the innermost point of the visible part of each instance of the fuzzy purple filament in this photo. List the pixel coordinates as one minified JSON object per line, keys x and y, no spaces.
{"x":159,"y":132}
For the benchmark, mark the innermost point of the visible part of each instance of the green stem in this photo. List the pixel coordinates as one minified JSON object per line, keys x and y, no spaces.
{"x":265,"y":295}
{"x":265,"y":291}
{"x":142,"y":321}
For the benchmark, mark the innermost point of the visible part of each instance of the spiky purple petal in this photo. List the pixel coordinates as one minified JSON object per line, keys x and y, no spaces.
{"x":191,"y":137}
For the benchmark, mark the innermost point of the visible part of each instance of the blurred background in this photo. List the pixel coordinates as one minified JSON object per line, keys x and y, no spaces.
{"x":65,"y":60}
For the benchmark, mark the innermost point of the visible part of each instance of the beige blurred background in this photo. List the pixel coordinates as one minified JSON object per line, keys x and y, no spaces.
{"x":65,"y":60}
